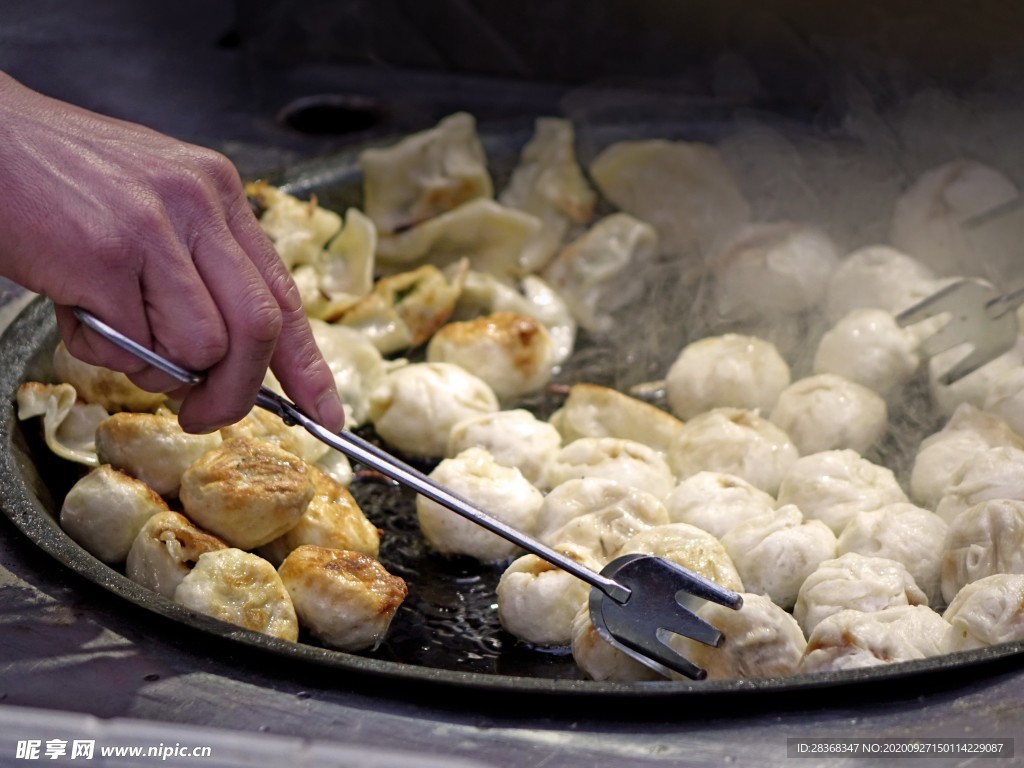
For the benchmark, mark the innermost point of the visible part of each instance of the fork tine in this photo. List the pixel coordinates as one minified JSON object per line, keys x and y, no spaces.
{"x":943,"y":300}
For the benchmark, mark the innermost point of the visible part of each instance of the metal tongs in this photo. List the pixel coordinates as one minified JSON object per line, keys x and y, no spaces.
{"x":980,"y":319}
{"x":637,"y":601}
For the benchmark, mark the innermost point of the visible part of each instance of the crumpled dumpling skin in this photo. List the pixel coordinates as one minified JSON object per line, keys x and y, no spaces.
{"x":514,"y":437}
{"x":69,"y":425}
{"x":984,"y":540}
{"x":165,"y":550}
{"x":987,"y":612}
{"x":854,"y":639}
{"x":626,"y":461}
{"x":992,"y":474}
{"x":854,"y":582}
{"x":425,"y":174}
{"x":299,"y":229}
{"x":598,"y":273}
{"x":342,"y":273}
{"x":716,"y":502}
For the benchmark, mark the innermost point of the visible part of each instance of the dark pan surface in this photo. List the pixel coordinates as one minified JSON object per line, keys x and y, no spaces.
{"x":447,"y":633}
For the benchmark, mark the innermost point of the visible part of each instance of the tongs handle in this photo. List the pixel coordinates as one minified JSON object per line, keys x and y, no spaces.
{"x":366,"y":453}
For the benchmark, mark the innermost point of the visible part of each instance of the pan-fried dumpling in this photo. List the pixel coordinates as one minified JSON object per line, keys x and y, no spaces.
{"x":974,"y":388}
{"x":854,"y":582}
{"x":342,"y":273}
{"x":600,"y":660}
{"x":942,"y":455}
{"x":734,"y":441}
{"x":732,"y":370}
{"x":105,"y":510}
{"x":987,"y":612}
{"x":826,"y":412}
{"x":768,"y":270}
{"x":166,"y":549}
{"x":357,"y":365}
{"x":880,"y":277}
{"x":109,"y":389}
{"x":345,"y":599}
{"x":501,"y":492}
{"x":832,"y":486}
{"x":483,"y":294}
{"x":299,"y":229}
{"x":868,"y":347}
{"x":513,"y":353}
{"x":597,"y":514}
{"x":515,"y":438}
{"x":775,"y":552}
{"x":260,"y":424}
{"x":929,"y":217}
{"x":626,"y":461}
{"x":688,"y":546}
{"x":247,"y":491}
{"x":69,"y":425}
{"x":152,"y":447}
{"x":855,"y":639}
{"x":683,"y":189}
{"x":591,"y":410}
{"x":597,"y":273}
{"x":415,"y":406}
{"x":1006,"y":398}
{"x":332,"y":519}
{"x":242,"y":589}
{"x":716,"y":502}
{"x":406,"y":309}
{"x":986,"y":539}
{"x":761,"y":640}
{"x":549,"y":184}
{"x":995,"y":473}
{"x":905,"y":533}
{"x":492,"y":237}
{"x":538,"y":601}
{"x":425,"y":174}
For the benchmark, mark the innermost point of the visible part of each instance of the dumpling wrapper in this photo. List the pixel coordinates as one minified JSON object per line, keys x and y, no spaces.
{"x":987,"y":612}
{"x":514,"y":437}
{"x":69,"y":425}
{"x":688,"y":546}
{"x":984,"y":540}
{"x":600,"y":272}
{"x":625,"y":461}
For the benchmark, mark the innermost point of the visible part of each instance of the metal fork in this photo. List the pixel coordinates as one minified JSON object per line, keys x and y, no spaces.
{"x":637,"y":602}
{"x":979,"y":316}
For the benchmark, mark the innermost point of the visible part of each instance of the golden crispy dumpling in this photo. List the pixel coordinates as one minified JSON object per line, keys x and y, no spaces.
{"x":333,"y":519}
{"x":102,"y":386}
{"x":512,"y":352}
{"x":247,"y":491}
{"x":345,"y":599}
{"x":106,"y":509}
{"x":165,"y":550}
{"x":240,"y":588}
{"x":264,"y":425}
{"x":151,"y":447}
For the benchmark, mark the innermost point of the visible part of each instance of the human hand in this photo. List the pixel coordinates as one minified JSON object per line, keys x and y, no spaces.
{"x":156,"y":238}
